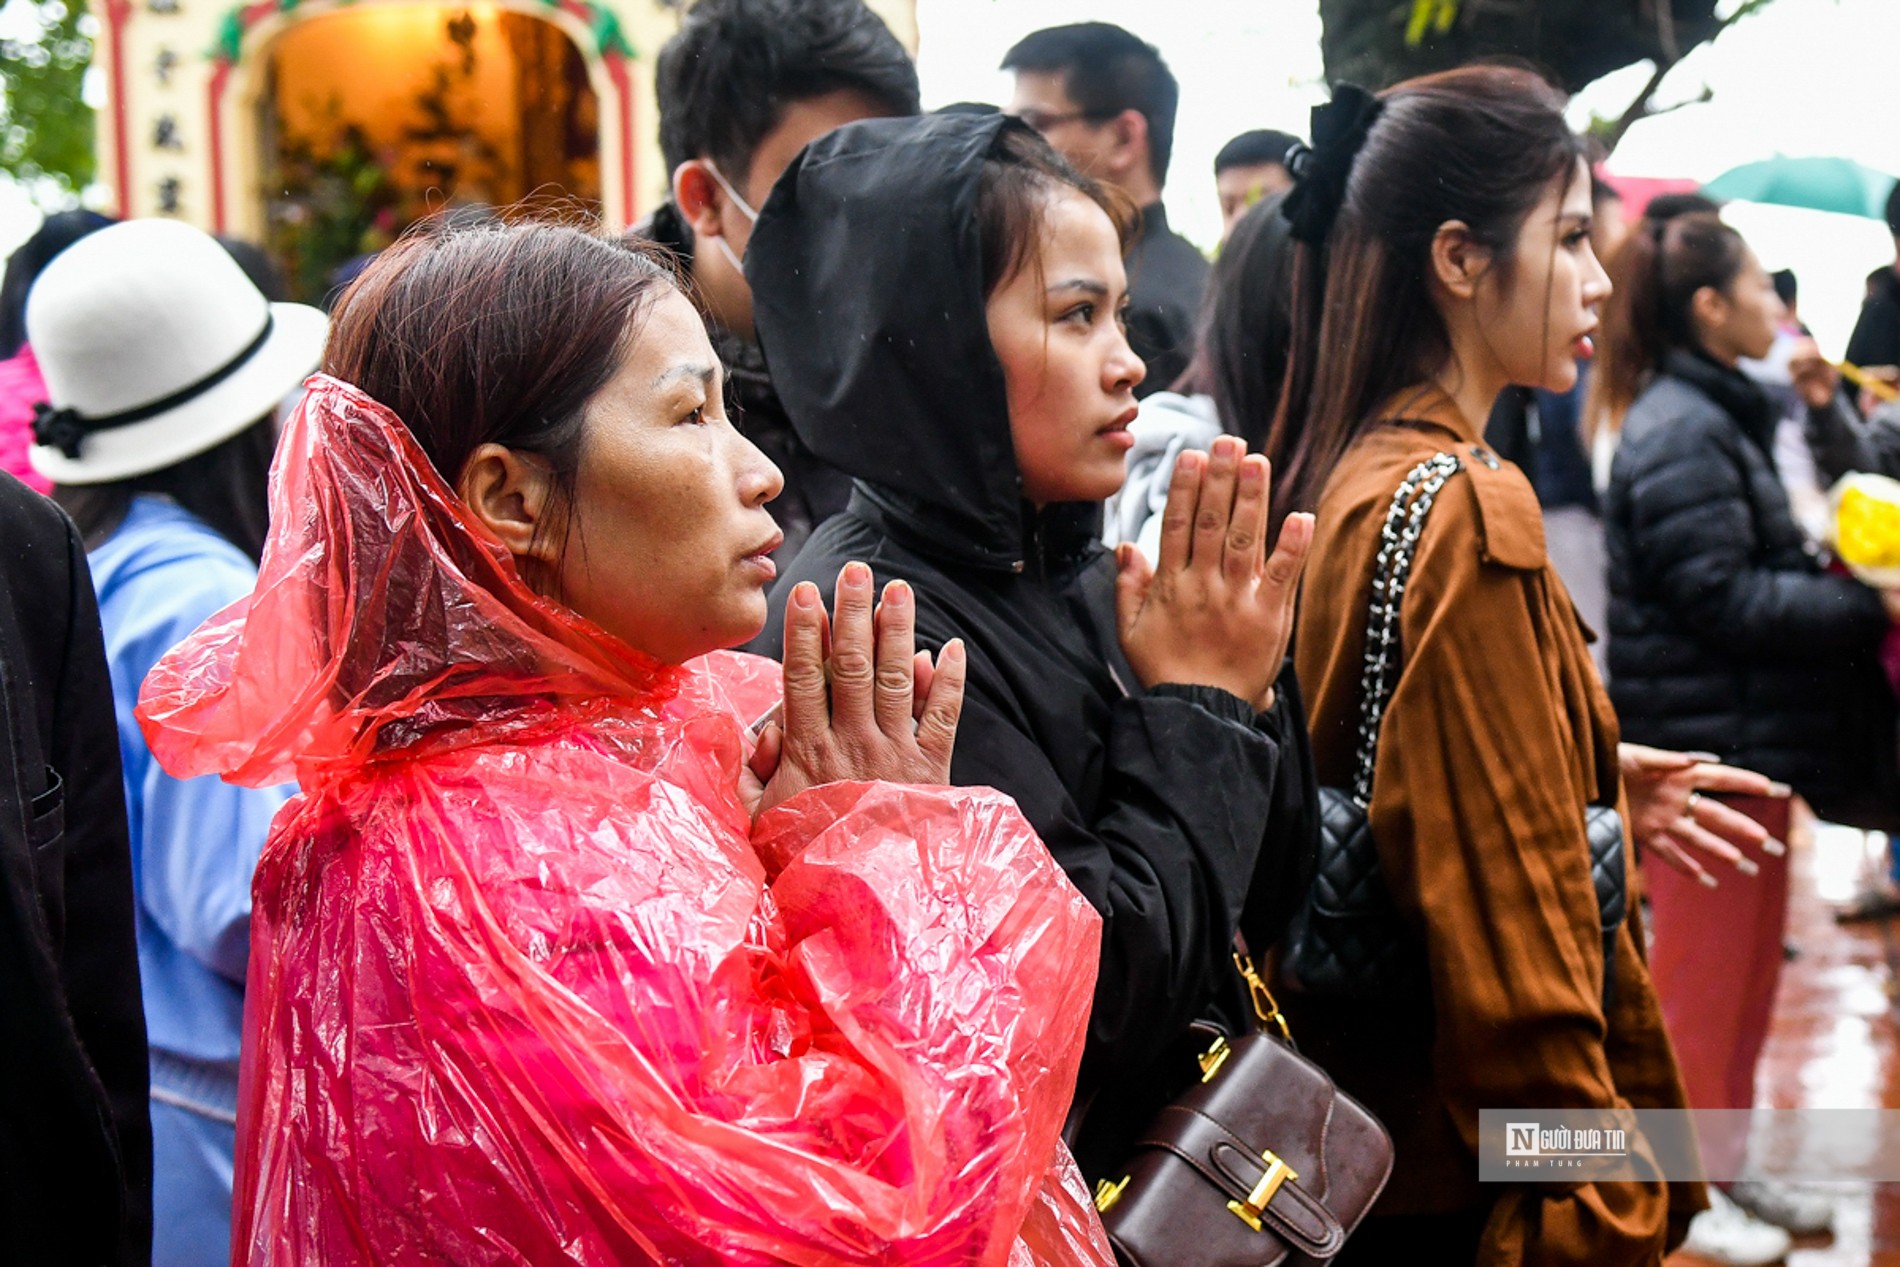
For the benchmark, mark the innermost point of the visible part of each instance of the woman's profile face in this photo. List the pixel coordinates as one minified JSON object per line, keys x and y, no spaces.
{"x":1070,"y":374}
{"x":667,"y":540}
{"x":1742,"y":318}
{"x":1539,"y":314}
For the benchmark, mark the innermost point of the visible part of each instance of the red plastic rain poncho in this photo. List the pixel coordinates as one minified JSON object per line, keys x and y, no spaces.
{"x":527,"y":986}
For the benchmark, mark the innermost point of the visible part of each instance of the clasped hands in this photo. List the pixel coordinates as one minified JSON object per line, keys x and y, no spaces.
{"x":861,"y":702}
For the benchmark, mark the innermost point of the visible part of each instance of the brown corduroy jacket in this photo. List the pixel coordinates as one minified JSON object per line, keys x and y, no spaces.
{"x":1498,"y":736}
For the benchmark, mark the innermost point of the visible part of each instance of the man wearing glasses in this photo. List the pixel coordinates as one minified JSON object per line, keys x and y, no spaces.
{"x":1106,"y":101}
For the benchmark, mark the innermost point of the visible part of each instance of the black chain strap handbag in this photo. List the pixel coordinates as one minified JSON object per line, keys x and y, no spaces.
{"x":1347,"y":940}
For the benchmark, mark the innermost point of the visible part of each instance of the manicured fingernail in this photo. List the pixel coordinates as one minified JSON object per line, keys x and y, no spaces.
{"x":1773,"y":847}
{"x":1707,"y":881}
{"x":1747,"y":866}
{"x":1781,"y":790}
{"x":857,"y":575}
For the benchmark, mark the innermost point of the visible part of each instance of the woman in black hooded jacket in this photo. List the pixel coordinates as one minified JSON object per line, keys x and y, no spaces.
{"x":1727,"y":634}
{"x":1155,"y":744}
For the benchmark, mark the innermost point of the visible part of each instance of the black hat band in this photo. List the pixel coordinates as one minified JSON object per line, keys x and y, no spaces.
{"x":66,"y":429}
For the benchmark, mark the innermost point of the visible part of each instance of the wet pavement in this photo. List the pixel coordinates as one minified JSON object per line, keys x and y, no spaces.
{"x":1835,"y":1041}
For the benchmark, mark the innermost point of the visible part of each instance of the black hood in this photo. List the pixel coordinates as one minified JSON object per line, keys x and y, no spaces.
{"x":867,"y":284}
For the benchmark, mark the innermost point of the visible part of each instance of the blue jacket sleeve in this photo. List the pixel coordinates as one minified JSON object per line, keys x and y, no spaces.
{"x":198,"y":839}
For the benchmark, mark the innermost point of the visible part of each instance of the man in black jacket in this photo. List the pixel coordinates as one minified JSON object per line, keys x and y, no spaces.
{"x":1105,"y":100}
{"x":75,"y":1132}
{"x":742,"y":88}
{"x":1876,"y":337}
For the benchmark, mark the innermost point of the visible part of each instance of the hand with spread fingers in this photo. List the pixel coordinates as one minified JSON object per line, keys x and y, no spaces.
{"x":861,"y":702}
{"x":1673,"y":815}
{"x":1215,"y":610}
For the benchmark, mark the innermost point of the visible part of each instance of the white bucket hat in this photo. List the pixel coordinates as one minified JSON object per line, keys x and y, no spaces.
{"x":155,"y":347}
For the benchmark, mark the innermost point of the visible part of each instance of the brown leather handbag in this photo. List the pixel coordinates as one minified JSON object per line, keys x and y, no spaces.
{"x":1262,"y":1162}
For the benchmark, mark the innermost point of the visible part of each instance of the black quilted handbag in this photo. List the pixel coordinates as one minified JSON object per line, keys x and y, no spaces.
{"x":1347,"y":940}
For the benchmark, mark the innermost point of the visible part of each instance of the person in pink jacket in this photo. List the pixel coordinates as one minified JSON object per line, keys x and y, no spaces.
{"x":21,"y":390}
{"x":21,"y":387}
{"x":552,"y":961}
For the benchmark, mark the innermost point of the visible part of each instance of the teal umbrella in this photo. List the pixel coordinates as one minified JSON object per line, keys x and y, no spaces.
{"x":1825,"y":184}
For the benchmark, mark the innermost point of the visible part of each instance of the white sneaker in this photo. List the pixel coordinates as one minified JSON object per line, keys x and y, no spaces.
{"x":1803,"y":1213}
{"x":1727,"y":1234}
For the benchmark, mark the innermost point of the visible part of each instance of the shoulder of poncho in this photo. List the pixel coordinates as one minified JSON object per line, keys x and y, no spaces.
{"x":495,"y":770}
{"x":426,"y":806}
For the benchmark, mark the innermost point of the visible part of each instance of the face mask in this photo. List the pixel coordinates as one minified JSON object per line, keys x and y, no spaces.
{"x":752,"y":217}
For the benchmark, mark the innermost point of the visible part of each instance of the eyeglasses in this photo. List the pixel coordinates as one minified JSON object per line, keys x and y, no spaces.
{"x":1042,"y":121}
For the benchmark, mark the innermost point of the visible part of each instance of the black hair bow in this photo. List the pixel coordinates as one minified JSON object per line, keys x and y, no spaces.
{"x":61,"y":429}
{"x":1321,"y":169}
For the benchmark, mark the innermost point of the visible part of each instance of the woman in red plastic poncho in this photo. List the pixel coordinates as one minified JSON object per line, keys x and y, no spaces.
{"x":551,"y":963}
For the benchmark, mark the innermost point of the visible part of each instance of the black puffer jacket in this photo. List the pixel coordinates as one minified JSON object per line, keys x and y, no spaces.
{"x":1177,"y":811}
{"x":1727,"y":634}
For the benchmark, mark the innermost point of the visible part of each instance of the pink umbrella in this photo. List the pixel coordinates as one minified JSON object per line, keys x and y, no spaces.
{"x":1638,"y":190}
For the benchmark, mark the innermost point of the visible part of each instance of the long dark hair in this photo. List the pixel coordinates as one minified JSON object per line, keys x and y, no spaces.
{"x":29,"y":260}
{"x":1481,"y":145}
{"x":495,"y":334}
{"x":227,"y":487}
{"x":1246,"y":327}
{"x":1656,"y":271}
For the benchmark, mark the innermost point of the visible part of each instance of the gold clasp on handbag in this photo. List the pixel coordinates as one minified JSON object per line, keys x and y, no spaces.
{"x":1264,"y":1005}
{"x":1107,"y":1194}
{"x":1214,"y":1057}
{"x":1250,"y":1210}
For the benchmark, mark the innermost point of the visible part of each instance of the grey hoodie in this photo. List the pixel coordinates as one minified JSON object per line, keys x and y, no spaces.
{"x":1167,"y":425}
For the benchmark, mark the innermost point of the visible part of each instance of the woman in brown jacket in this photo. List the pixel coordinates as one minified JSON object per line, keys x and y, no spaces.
{"x":1454,"y":215}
